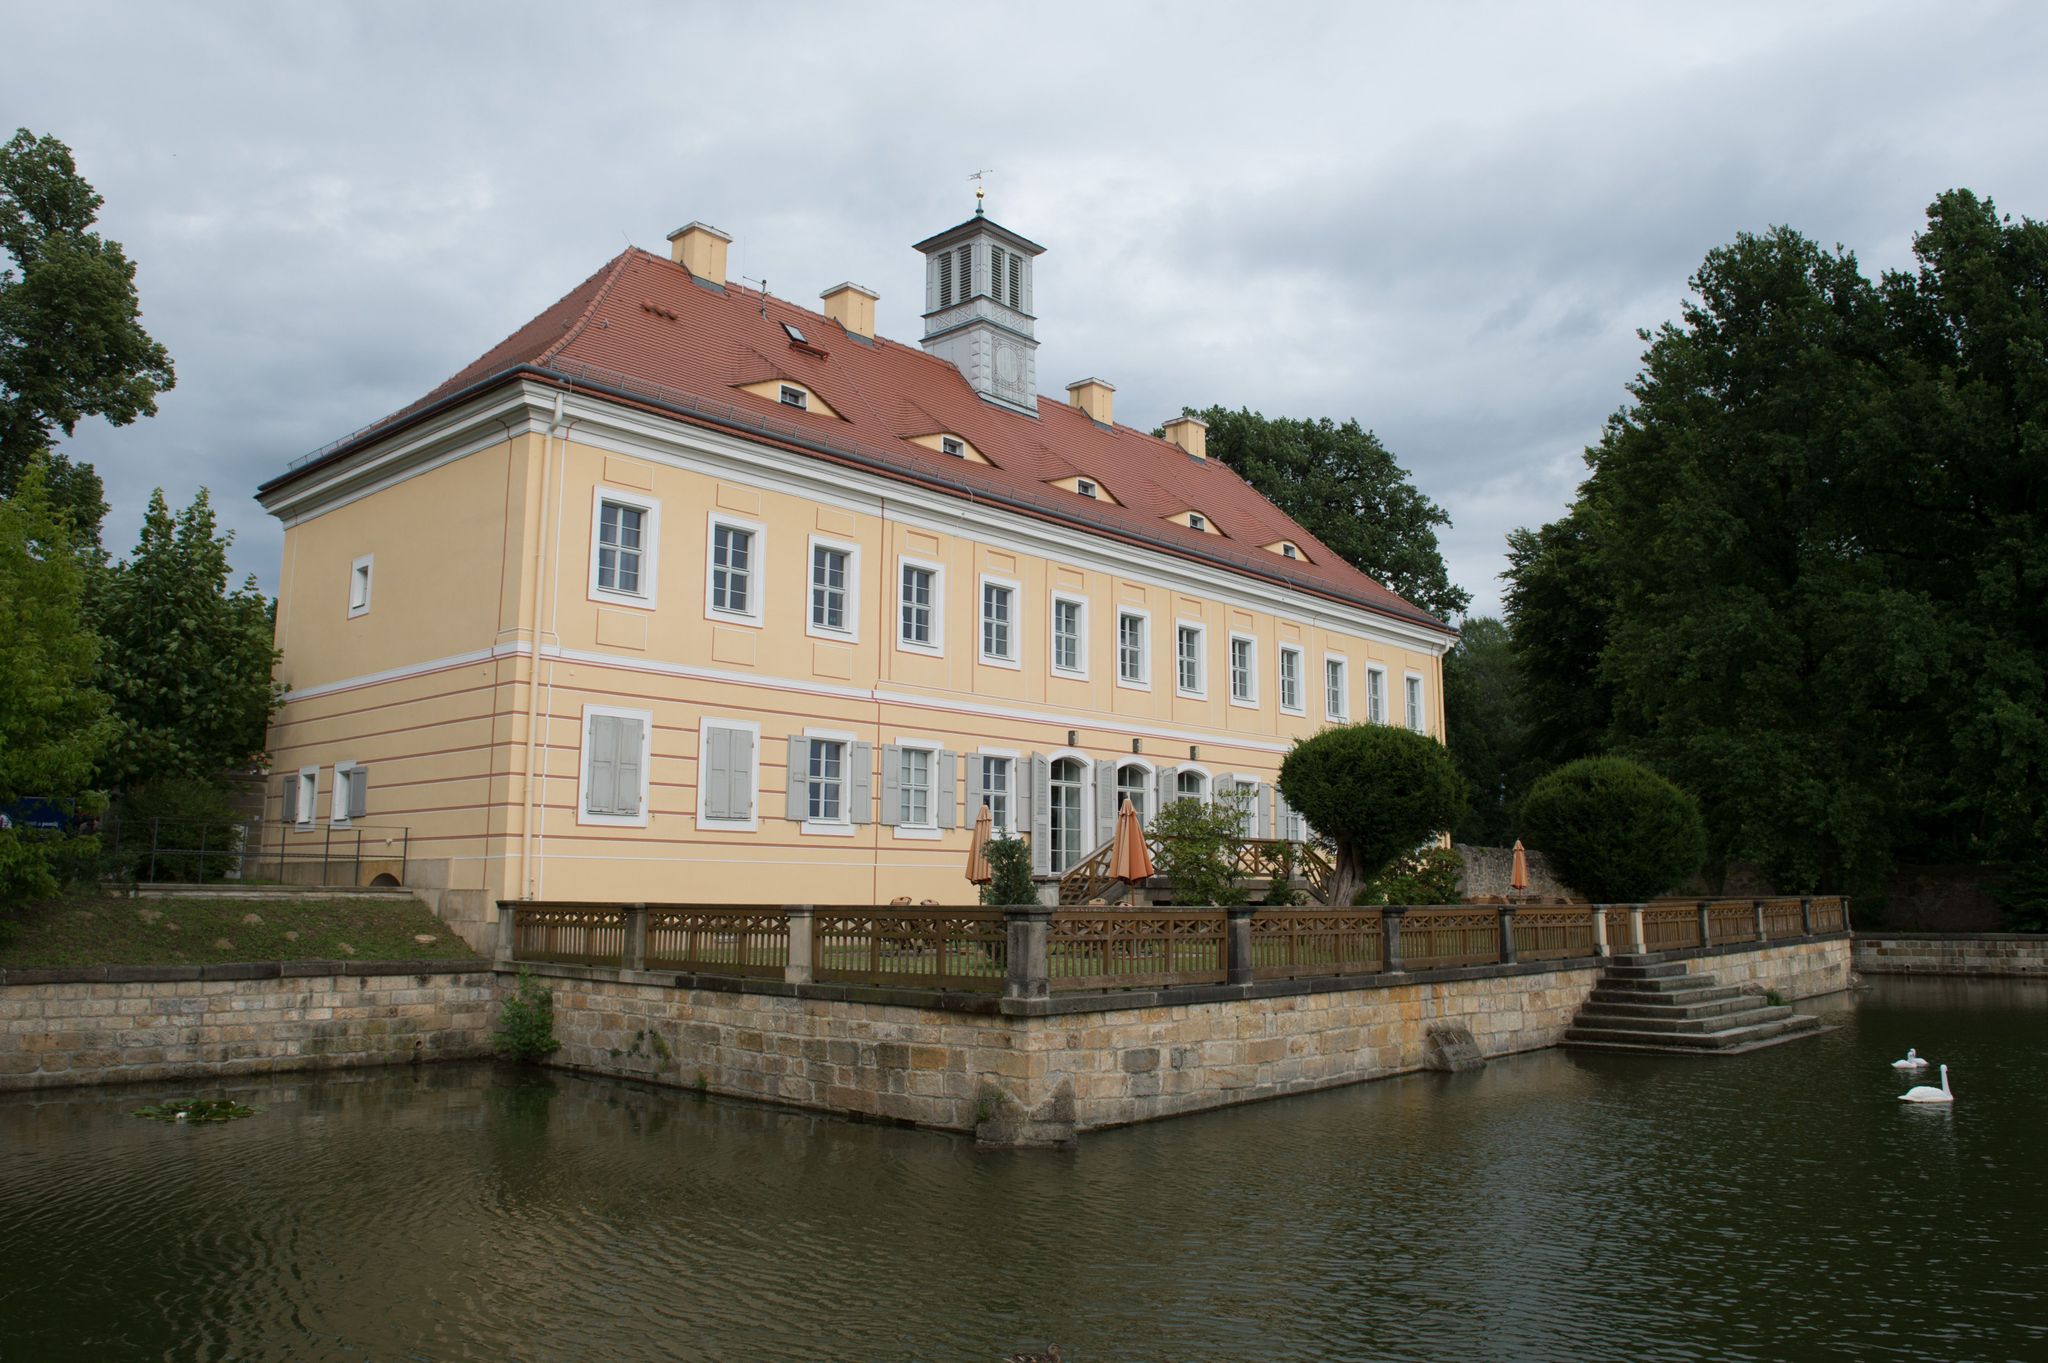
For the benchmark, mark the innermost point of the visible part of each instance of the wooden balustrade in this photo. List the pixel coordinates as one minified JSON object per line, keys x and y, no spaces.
{"x":1783,"y":918}
{"x":1553,"y":934}
{"x":1829,"y":915}
{"x":1118,"y":949}
{"x":1671,"y":927}
{"x":1735,"y":922}
{"x":723,"y":941}
{"x":576,"y":934}
{"x":921,"y":948}
{"x":1293,"y":943}
{"x":1435,"y":938}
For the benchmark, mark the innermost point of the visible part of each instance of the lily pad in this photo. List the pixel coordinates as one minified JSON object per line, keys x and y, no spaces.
{"x":197,"y":1110}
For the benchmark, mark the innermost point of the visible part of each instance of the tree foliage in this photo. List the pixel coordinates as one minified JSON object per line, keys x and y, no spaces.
{"x":1197,"y":849}
{"x":1009,"y":865}
{"x":1343,"y":486}
{"x":1484,"y":725}
{"x":187,"y":661}
{"x":1615,"y":830}
{"x":1374,"y":791}
{"x":71,"y":337}
{"x":1808,"y":573}
{"x":53,"y":724}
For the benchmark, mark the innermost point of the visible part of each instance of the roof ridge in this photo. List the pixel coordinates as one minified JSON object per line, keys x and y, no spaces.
{"x":611,"y":274}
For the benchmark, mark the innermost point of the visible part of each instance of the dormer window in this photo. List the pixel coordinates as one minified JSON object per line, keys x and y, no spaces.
{"x":953,"y":445}
{"x":1085,"y":487}
{"x":1286,"y":549}
{"x":792,"y":396}
{"x":1196,"y":521}
{"x":1289,"y":551}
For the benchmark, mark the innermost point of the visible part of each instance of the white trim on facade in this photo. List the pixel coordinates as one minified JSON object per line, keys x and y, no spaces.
{"x":1375,"y":698}
{"x":583,"y":754}
{"x":1200,"y":690}
{"x":338,"y":795}
{"x":850,"y":634}
{"x":1300,"y":706}
{"x":757,"y":570}
{"x":1337,"y":715}
{"x":650,"y":545}
{"x":1079,"y":672}
{"x":935,"y":647}
{"x":1014,"y":661}
{"x":1143,"y":681}
{"x":751,"y":823}
{"x":1250,"y":700}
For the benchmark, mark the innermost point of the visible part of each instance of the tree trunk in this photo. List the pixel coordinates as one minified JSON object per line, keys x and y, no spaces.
{"x":1347,"y":877}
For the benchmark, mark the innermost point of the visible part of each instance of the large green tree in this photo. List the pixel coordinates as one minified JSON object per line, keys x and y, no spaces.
{"x":1345,"y":488}
{"x":53,"y":724}
{"x":1486,"y":731}
{"x":1375,"y":791}
{"x":187,"y":660}
{"x":71,"y":337}
{"x":1806,"y":575}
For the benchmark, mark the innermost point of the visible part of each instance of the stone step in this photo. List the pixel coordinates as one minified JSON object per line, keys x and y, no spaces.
{"x":1676,"y":1000}
{"x":1691,"y":1042}
{"x":1640,"y":968}
{"x":1661,"y":984}
{"x":1660,"y":1046}
{"x":1715,"y":1002}
{"x":1595,"y":1019}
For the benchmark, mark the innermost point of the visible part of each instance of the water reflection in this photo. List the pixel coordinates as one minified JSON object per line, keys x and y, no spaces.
{"x":1781,"y":1205}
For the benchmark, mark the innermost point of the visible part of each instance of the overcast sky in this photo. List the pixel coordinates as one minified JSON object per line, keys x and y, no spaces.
{"x":1446,"y":221}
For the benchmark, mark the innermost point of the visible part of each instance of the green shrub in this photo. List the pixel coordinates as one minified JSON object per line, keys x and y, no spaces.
{"x":1428,"y":876}
{"x":1198,"y":850}
{"x":1376,"y":792}
{"x":1615,"y":830}
{"x":1009,"y":862}
{"x":526,"y":1022}
{"x":1281,"y":894}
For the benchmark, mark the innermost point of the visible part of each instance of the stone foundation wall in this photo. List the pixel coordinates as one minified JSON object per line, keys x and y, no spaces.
{"x":1986,"y":955}
{"x":200,"y":1022}
{"x":1796,"y":970}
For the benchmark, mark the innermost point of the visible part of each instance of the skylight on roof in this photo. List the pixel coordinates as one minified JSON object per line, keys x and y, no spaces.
{"x":794,"y":334}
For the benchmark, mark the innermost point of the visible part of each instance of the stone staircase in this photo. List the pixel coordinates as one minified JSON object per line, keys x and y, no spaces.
{"x":1649,"y":1006}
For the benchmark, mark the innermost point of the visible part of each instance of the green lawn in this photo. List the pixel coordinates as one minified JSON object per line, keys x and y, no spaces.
{"x":91,"y":930}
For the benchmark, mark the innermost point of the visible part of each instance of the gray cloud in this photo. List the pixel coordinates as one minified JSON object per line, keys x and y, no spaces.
{"x":1445,"y":221}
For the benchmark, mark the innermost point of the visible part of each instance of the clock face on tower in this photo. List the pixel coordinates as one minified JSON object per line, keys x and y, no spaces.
{"x":1006,"y":364}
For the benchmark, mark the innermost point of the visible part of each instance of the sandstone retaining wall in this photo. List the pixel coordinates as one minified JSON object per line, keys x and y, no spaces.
{"x":1986,"y":955}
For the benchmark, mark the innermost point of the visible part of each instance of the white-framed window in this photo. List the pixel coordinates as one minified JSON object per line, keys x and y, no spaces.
{"x":1376,"y":694}
{"x":917,"y":800}
{"x":1290,"y":680}
{"x":1069,"y":636}
{"x":1066,"y":813}
{"x":825,"y":781}
{"x":793,"y":396}
{"x":1191,"y":783}
{"x":920,"y":606}
{"x":729,"y":774}
{"x":302,"y":797}
{"x":625,"y":537}
{"x":1197,"y":521}
{"x":612,"y":785}
{"x":1336,"y":692}
{"x":1417,"y":719}
{"x":1293,"y":827}
{"x":1243,"y":794}
{"x":1289,"y":551}
{"x":953,"y":445}
{"x":998,"y":788}
{"x":733,"y":562}
{"x":359,"y":585}
{"x":1244,"y":670}
{"x":1187,"y":658}
{"x":351,"y":791}
{"x":1086,"y":487}
{"x":1134,"y":782}
{"x":833,"y":611}
{"x":1133,"y":648}
{"x":999,"y":622}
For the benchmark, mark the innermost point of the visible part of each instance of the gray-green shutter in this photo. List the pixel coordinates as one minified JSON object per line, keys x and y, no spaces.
{"x":1281,"y":810}
{"x":1041,"y":814}
{"x":1262,"y":819}
{"x":945,"y":793}
{"x":632,"y":740}
{"x":604,"y":765}
{"x":358,"y":791}
{"x":860,"y":782}
{"x":1020,"y":796}
{"x":799,"y":773}
{"x":1105,"y":802}
{"x":1166,"y":777}
{"x":291,"y":798}
{"x":977,"y":793}
{"x":892,"y":784}
{"x":740,"y":773}
{"x":714,"y":765}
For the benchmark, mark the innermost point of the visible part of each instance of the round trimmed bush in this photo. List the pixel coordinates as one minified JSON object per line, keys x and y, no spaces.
{"x":1615,"y":830}
{"x":1373,"y":790}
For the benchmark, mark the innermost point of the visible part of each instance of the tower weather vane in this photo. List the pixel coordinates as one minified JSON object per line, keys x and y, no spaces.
{"x":980,"y":189}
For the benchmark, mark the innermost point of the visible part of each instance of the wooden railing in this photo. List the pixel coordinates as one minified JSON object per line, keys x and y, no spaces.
{"x":1088,"y":880}
{"x":1737,"y":922}
{"x":1439,"y":938}
{"x":1293,"y":943}
{"x":578,"y":934}
{"x":1830,"y":914}
{"x":1552,"y":934}
{"x":1671,"y":927}
{"x":935,"y":948}
{"x":1116,"y":949}
{"x":729,"y":941}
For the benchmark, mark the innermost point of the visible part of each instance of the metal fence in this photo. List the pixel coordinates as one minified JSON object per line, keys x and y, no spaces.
{"x":205,"y":851}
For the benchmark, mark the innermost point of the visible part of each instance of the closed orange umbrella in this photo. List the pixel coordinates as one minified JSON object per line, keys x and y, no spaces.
{"x":977,"y":860}
{"x":1520,"y":879}
{"x":1130,"y":860}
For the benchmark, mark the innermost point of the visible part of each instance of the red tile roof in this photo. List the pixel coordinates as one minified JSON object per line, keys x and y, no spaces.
{"x":643,"y":330}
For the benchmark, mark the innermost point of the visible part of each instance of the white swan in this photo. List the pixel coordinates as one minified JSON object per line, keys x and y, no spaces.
{"x":1913,"y":1061}
{"x":1925,"y":1093}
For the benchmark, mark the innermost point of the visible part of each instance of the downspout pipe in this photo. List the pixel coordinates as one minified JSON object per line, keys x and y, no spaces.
{"x":556,"y":430}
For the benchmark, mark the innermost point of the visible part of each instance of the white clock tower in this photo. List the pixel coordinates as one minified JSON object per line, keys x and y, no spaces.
{"x":977,"y":309}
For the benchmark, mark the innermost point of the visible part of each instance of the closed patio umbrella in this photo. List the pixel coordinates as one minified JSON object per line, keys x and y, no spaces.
{"x":1519,"y":880}
{"x":977,"y":860}
{"x":1130,"y":860}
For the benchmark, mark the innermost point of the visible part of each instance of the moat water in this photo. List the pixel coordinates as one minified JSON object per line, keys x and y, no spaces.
{"x":1781,"y":1205}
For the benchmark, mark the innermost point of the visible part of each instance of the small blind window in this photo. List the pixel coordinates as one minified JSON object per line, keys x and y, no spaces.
{"x":946,"y":279}
{"x":964,"y":267}
{"x":995,"y":272}
{"x":1016,"y":280}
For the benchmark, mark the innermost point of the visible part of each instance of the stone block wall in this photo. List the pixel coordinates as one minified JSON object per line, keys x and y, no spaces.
{"x":200,"y":1022}
{"x":1795,"y":970}
{"x":1985,"y":955}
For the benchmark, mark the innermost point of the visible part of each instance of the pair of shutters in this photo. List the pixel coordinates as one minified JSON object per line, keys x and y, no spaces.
{"x":944,"y":796}
{"x":856,"y":780}
{"x":616,"y":765}
{"x":358,"y":794}
{"x":725,"y":775}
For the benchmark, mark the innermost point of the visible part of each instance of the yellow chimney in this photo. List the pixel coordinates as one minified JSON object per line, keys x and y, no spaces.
{"x":700,"y":248}
{"x":853,"y":307}
{"x":1191,"y":433}
{"x":1096,"y":398}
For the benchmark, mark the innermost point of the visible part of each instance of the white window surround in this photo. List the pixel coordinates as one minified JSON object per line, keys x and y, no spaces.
{"x":1234,"y":781}
{"x":851,"y":634}
{"x":650,"y":547}
{"x":1086,"y":487}
{"x":583,"y":814}
{"x":1200,"y":773}
{"x":930,"y":830}
{"x":309,"y":796}
{"x":1018,"y":772}
{"x":1080,"y":670}
{"x":752,"y":822}
{"x":1300,"y":706}
{"x":1343,"y":711}
{"x":1375,"y":694}
{"x":344,"y":772}
{"x":1413,"y":681}
{"x":793,"y":395}
{"x":1013,"y":660}
{"x":1250,"y":699}
{"x":1200,"y":690}
{"x":1151,"y":786}
{"x":843,"y":826}
{"x":359,"y":582}
{"x":937,"y":647}
{"x":757,"y":570}
{"x":953,"y":445}
{"x":1143,"y":681}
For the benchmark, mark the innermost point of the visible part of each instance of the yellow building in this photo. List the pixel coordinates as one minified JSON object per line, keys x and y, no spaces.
{"x":683,"y":593}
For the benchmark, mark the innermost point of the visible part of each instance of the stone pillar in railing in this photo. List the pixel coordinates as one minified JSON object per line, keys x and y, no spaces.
{"x":1237,"y":944}
{"x":1706,"y":924}
{"x":1601,"y":946}
{"x":1636,"y":945}
{"x":1390,"y":940}
{"x":508,"y":923}
{"x":1758,"y":905}
{"x":634,"y":957}
{"x":1028,"y":976}
{"x":1805,"y":916}
{"x":801,"y":939}
{"x":1507,"y":934}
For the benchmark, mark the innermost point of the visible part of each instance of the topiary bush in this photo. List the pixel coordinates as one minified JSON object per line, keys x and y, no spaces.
{"x":1009,"y":862}
{"x":1615,"y":830}
{"x":1376,"y":792}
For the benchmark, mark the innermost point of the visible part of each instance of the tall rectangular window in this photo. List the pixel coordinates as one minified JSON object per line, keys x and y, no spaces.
{"x":1333,"y":688}
{"x":995,"y":790}
{"x":620,"y":545}
{"x":825,"y":781}
{"x":914,"y":787}
{"x":732,"y":569}
{"x":1066,"y":635}
{"x":1290,"y":679}
{"x":1130,"y":647}
{"x":359,"y":585}
{"x":1415,"y":719}
{"x":917,"y":605}
{"x":996,"y":635}
{"x":1376,"y":695}
{"x":828,"y":588}
{"x":1241,"y":682}
{"x":1187,"y":653}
